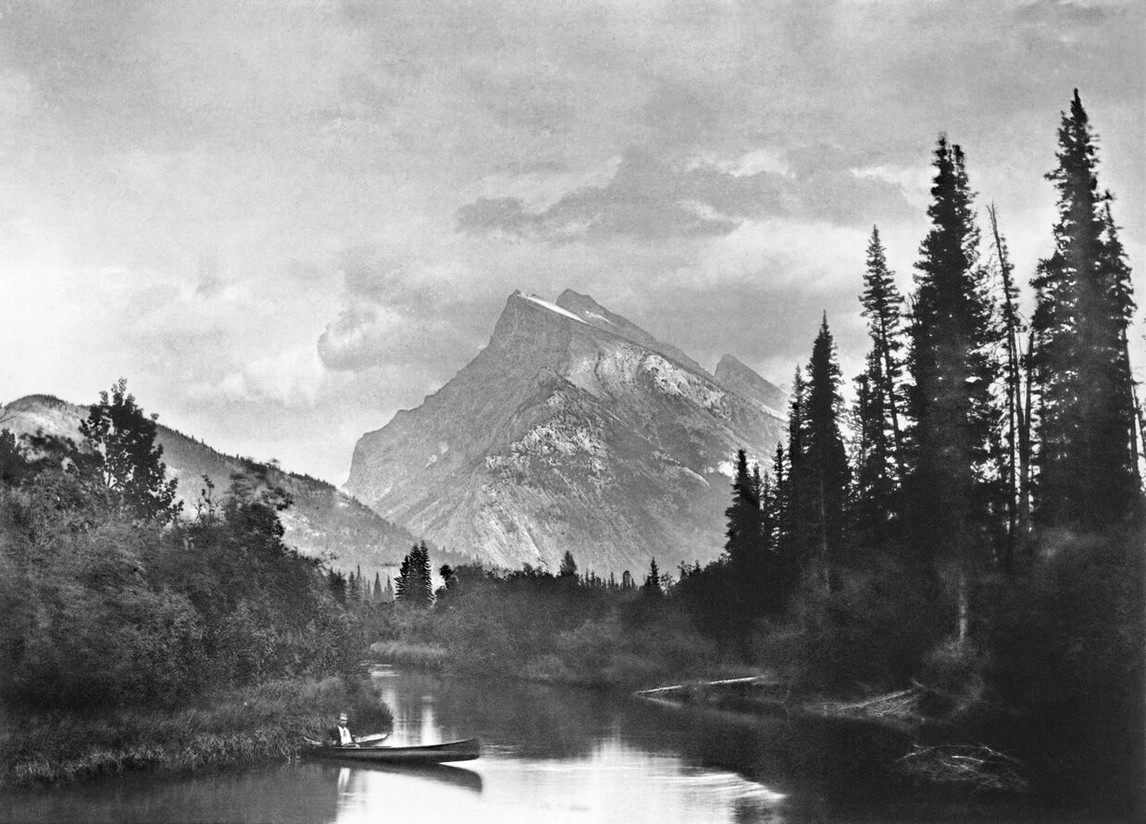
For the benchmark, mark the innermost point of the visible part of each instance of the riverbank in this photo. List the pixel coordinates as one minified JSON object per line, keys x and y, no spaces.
{"x":940,"y":755}
{"x":242,"y":726}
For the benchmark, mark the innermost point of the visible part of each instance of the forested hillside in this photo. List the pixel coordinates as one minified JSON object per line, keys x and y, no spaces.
{"x":323,"y":522}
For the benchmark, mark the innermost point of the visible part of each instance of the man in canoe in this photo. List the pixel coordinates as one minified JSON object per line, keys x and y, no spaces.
{"x":340,"y":735}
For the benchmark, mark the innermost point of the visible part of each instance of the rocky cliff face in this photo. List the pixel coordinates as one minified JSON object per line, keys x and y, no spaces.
{"x":572,"y":430}
{"x":323,"y":521}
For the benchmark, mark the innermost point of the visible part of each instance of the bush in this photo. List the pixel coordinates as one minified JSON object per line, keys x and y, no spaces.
{"x":870,"y":635}
{"x":1067,"y":652}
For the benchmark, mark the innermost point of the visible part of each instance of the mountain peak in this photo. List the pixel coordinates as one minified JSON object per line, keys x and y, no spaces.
{"x":537,"y":300}
{"x":733,"y":374}
{"x":573,"y":430}
{"x":594,"y":314}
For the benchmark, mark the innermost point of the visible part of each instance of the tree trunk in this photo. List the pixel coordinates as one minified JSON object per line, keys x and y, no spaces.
{"x":963,"y":598}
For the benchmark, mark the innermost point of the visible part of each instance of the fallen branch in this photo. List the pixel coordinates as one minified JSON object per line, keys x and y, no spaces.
{"x":969,"y":764}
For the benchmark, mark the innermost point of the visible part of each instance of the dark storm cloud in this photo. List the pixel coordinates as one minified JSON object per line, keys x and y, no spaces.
{"x":651,"y":198}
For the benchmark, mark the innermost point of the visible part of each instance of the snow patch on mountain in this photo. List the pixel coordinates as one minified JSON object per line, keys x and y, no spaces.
{"x":552,"y":307}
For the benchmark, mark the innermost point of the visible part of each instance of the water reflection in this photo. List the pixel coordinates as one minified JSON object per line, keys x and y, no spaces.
{"x":439,"y":773}
{"x":281,"y":792}
{"x":557,"y":754}
{"x":552,"y":755}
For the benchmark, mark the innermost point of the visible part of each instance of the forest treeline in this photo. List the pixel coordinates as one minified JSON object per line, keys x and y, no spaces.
{"x":112,"y":596}
{"x":979,"y":444}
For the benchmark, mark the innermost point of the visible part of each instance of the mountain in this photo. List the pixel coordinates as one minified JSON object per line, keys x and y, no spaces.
{"x":572,"y":430}
{"x":736,"y":377}
{"x":322,"y":522}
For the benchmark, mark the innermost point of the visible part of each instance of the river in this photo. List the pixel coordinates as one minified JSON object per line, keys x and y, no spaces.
{"x":549,"y":755}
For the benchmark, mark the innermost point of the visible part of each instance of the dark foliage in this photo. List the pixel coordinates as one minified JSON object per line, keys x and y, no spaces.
{"x":819,"y":480}
{"x":121,"y":443}
{"x":106,"y":605}
{"x":414,"y":587}
{"x":1086,"y":449}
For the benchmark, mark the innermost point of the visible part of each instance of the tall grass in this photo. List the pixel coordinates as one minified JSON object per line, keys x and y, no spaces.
{"x":270,"y":721}
{"x":416,"y":655}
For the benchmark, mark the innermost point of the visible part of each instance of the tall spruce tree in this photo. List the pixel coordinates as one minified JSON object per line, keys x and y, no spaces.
{"x":820,"y":479}
{"x":792,"y":544}
{"x":883,"y":308}
{"x":748,"y":553}
{"x":879,"y":405}
{"x":874,"y":493}
{"x":1086,"y":460}
{"x":778,"y":501}
{"x":744,"y":527}
{"x":950,"y":401}
{"x":414,"y":586}
{"x":1017,"y":434}
{"x":568,"y":567}
{"x":652,"y":586}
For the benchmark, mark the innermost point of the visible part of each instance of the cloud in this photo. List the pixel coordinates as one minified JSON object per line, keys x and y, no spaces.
{"x":398,"y":312}
{"x":182,"y":180}
{"x":650,"y":198}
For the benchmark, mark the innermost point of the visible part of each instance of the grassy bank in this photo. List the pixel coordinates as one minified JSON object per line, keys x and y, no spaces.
{"x":410,"y":654}
{"x":235,"y":727}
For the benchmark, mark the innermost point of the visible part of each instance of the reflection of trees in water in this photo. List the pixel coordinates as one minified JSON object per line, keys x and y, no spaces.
{"x":284,"y":792}
{"x":826,"y":769}
{"x":833,"y":757}
{"x":538,"y":721}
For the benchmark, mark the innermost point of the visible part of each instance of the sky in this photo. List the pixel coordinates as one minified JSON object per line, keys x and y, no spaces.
{"x":284,"y":220}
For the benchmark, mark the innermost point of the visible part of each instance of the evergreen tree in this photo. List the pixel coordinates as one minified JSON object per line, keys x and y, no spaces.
{"x":1017,"y":434}
{"x":791,"y":544}
{"x":752,"y":564}
{"x":1086,"y":461}
{"x":883,"y":308}
{"x":820,"y":478}
{"x":777,"y":502}
{"x":652,"y":585}
{"x":336,"y":582}
{"x":744,"y":526}
{"x":121,"y":440}
{"x":376,"y":591}
{"x":796,"y":410}
{"x":950,"y":401}
{"x":414,"y":586}
{"x":568,"y":567}
{"x":874,"y":499}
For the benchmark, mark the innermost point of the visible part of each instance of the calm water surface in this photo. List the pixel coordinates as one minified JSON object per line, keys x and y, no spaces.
{"x":549,"y":755}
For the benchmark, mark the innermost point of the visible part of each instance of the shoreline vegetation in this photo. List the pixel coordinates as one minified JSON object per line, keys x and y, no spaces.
{"x":135,"y":636}
{"x":236,"y":727}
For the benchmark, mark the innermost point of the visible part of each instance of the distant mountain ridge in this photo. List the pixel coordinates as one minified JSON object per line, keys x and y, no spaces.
{"x":323,"y":521}
{"x":572,"y":430}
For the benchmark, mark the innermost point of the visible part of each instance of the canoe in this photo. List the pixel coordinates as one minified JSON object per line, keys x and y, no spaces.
{"x":466,"y":750}
{"x":371,"y":740}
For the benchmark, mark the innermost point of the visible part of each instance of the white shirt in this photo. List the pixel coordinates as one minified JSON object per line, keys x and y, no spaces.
{"x":344,"y":736}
